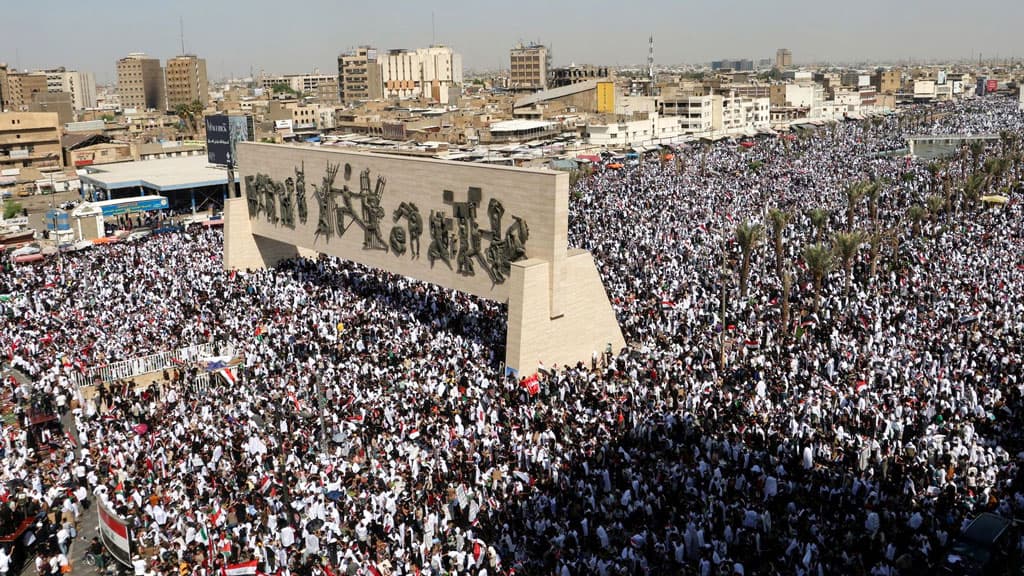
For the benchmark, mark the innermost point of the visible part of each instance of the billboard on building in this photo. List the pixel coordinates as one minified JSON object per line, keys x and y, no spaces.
{"x":218,"y":139}
{"x":115,"y":534}
{"x":991,"y":85}
{"x":241,"y":129}
{"x":223,"y":133}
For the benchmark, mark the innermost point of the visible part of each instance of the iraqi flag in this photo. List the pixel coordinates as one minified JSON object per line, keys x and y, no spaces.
{"x":861,"y":385}
{"x":242,"y":569}
{"x":265,"y":484}
{"x":229,"y":375}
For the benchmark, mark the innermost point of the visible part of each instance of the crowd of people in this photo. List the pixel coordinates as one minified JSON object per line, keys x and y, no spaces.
{"x":371,"y":430}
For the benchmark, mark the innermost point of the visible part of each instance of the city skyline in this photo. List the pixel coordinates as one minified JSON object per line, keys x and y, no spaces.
{"x":239,"y":38}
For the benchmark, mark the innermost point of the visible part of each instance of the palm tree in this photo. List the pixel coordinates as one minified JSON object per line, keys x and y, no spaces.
{"x":1005,"y":140}
{"x":935,"y":204}
{"x":846,"y":245}
{"x":184,"y":112}
{"x":876,"y":240}
{"x":787,"y":286}
{"x":704,"y":159}
{"x":977,"y":148}
{"x":972,"y":189}
{"x":854,"y":193}
{"x":748,"y":236}
{"x":819,"y":263}
{"x":819,"y":219}
{"x":778,"y":220}
{"x":916,"y":214}
{"x":874,"y":193}
{"x":933,"y":172}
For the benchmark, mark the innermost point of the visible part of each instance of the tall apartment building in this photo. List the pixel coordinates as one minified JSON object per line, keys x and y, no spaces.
{"x":783,"y":58}
{"x":887,"y":81}
{"x":431,"y":73}
{"x":29,"y":139}
{"x":81,"y":86}
{"x":359,"y":75}
{"x":140,"y":82}
{"x":18,"y":89}
{"x":529,"y":66}
{"x":186,"y":81}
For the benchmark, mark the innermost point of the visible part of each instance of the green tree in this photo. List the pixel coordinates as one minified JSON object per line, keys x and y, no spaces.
{"x":787,"y":287}
{"x":935,"y":205}
{"x":819,"y":220}
{"x":12,"y":209}
{"x":846,"y":245}
{"x":876,"y":240}
{"x":282,"y":88}
{"x":874,"y":194}
{"x":748,"y":237}
{"x":854,"y":194}
{"x":818,"y":259}
{"x":778,"y":220}
{"x":977,"y":149}
{"x":916,"y":215}
{"x":972,"y":190}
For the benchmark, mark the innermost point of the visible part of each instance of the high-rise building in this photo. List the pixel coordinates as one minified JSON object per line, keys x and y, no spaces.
{"x":81,"y":86}
{"x":186,"y":81}
{"x":140,"y":82}
{"x":422,"y":73}
{"x":359,"y":75}
{"x":783,"y":58}
{"x":529,"y":66}
{"x":18,"y":89}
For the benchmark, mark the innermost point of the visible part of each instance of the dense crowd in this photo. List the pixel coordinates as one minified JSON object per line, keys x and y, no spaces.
{"x":371,"y":431}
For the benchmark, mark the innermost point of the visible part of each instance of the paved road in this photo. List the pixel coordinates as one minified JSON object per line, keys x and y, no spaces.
{"x":38,"y":205}
{"x":86,"y":526}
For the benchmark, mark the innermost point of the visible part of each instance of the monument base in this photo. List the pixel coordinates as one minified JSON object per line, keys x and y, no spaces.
{"x":587,"y":323}
{"x":242,"y":249}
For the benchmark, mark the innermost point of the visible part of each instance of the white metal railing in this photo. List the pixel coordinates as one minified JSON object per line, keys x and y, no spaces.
{"x":138,"y":366}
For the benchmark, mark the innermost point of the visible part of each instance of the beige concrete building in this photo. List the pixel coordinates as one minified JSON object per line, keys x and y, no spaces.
{"x":783,"y":58}
{"x":528,"y":67}
{"x":140,"y":82}
{"x":30,"y":140}
{"x":360,"y":75}
{"x":186,"y":81}
{"x":59,"y":102}
{"x":432,"y":73}
{"x":887,"y":81}
{"x":499,"y":233}
{"x":80,"y":85}
{"x":20,"y":89}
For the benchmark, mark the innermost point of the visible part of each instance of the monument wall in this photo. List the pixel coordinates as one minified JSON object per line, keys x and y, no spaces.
{"x":497,"y":232}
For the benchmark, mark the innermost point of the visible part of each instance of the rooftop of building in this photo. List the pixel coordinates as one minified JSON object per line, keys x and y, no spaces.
{"x":163,"y":175}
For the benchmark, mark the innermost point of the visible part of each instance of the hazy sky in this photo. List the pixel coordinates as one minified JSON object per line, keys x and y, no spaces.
{"x":282,"y":36}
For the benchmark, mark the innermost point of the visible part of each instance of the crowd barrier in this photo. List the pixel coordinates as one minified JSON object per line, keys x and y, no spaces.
{"x":134,"y":367}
